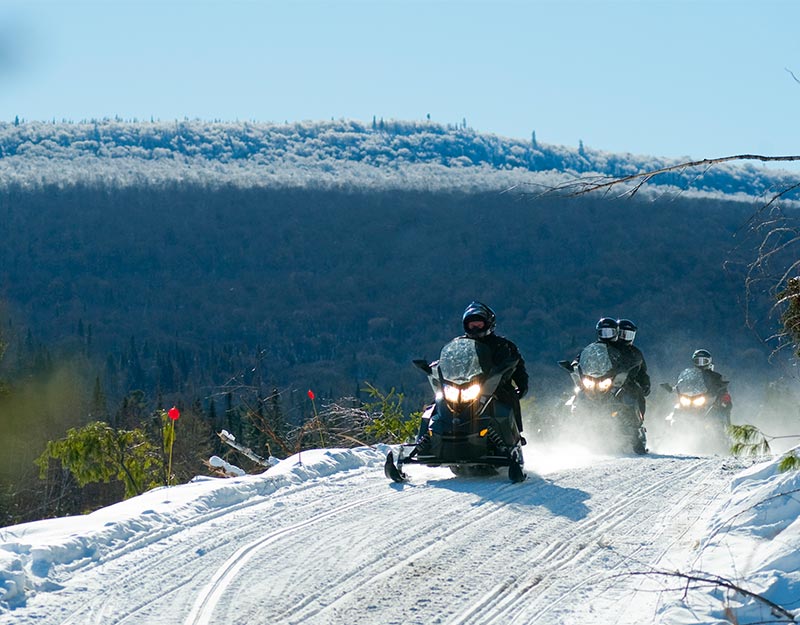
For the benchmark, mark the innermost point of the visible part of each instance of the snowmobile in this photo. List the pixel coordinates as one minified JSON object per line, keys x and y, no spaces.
{"x":467,"y":428}
{"x":699,"y":411}
{"x":601,"y":406}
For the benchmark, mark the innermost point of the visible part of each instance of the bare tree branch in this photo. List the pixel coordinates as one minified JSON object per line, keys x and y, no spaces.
{"x":772,"y":201}
{"x":778,"y":240}
{"x":716,"y":580}
{"x":586,"y":186}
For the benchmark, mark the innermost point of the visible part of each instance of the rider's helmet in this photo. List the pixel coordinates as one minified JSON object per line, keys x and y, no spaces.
{"x":702,"y":359}
{"x":479,"y":320}
{"x":627,"y":331}
{"x":607,"y":330}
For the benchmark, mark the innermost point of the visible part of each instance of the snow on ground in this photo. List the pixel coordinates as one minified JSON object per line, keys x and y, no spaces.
{"x":753,"y":542}
{"x":323,"y":537}
{"x":31,"y":552}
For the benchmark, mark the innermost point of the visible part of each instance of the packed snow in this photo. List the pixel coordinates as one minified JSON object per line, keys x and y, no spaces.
{"x":324,"y":537}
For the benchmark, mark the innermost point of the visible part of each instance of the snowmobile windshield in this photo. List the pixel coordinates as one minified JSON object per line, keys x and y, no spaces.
{"x":462,"y":359}
{"x":598,"y":360}
{"x":691,"y":382}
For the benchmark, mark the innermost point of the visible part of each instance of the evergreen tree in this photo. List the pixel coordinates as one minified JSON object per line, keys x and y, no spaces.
{"x":233,"y":418}
{"x":254,"y":435}
{"x":212,"y":414}
{"x":132,"y":412}
{"x":276,"y":420}
{"x":99,"y":408}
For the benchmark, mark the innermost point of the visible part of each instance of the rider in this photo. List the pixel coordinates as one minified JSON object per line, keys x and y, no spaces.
{"x":479,"y":324}
{"x":638,"y":380}
{"x":607,"y":330}
{"x":716,"y":385}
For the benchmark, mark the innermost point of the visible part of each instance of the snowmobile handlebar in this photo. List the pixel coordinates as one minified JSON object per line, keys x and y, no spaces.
{"x":423,"y":364}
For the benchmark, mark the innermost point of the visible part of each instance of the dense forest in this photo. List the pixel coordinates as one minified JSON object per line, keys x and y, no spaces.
{"x":204,"y":264}
{"x":337,"y":154}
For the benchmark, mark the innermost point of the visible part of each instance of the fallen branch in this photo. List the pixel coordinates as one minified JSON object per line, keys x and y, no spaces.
{"x":716,"y":580}
{"x":227,"y":438}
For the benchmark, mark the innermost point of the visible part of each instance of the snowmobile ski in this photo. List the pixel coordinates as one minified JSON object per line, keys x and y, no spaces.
{"x":391,"y":471}
{"x":515,"y":471}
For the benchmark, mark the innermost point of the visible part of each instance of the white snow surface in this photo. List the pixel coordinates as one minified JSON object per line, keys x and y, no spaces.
{"x":324,"y":538}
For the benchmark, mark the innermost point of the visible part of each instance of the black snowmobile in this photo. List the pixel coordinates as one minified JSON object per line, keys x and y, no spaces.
{"x":602,"y":407}
{"x":699,"y":411}
{"x":467,"y":428}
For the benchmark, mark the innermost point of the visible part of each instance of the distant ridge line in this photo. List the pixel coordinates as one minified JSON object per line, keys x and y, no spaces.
{"x":324,"y":154}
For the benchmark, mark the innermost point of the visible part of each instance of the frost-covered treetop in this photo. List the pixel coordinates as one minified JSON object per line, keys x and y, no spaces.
{"x":342,"y":154}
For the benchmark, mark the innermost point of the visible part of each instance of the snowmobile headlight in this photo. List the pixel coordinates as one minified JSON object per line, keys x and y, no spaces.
{"x":605,"y":384}
{"x":698,"y":401}
{"x":451,"y":394}
{"x":588,"y":383}
{"x":471,"y":393}
{"x":684,"y":400}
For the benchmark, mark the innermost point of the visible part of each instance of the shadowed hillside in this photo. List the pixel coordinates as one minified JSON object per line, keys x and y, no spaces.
{"x":176,"y":255}
{"x":184,"y":288}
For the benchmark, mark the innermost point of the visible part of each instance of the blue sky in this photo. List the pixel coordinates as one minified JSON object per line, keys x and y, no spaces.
{"x":696,"y":78}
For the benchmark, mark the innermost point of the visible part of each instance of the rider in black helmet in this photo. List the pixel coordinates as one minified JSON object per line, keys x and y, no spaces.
{"x":714,"y":381}
{"x":479,"y":323}
{"x":607,"y":330}
{"x":702,"y":360}
{"x":638,"y":380}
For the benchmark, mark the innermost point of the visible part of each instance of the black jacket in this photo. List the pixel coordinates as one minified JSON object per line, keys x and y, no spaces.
{"x":633,"y":362}
{"x":716,"y":385}
{"x":504,"y":350}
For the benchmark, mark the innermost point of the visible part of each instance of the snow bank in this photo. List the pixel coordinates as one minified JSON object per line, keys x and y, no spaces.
{"x":753,"y":542}
{"x":33,"y":555}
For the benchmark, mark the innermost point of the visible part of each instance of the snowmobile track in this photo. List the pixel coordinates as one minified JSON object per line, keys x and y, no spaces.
{"x":202,"y":612}
{"x":183,"y":552}
{"x":353,"y":547}
{"x":405,"y":552}
{"x":569,"y":564}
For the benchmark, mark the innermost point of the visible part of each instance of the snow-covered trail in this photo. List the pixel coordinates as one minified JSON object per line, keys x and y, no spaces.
{"x":353,"y":547}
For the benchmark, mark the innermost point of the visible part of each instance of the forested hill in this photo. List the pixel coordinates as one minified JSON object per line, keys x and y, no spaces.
{"x":341,"y":154}
{"x":192,"y":258}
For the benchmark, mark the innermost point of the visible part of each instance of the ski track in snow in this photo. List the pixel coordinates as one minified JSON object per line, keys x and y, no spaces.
{"x":356,"y":548}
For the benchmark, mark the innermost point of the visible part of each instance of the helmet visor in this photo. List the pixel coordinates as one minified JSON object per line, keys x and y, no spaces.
{"x":627,"y":335}
{"x":607,"y":333}
{"x":702,"y":361}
